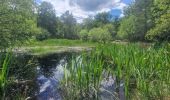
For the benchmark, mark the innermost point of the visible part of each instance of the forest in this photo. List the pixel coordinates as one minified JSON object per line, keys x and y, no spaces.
{"x":132,"y":50}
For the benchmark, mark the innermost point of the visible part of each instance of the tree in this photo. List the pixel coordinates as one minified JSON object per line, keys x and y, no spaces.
{"x":102,"y":18}
{"x":128,"y":28}
{"x":68,"y":26}
{"x":141,"y":11}
{"x":17,"y":22}
{"x":88,"y":23}
{"x":161,"y":30}
{"x":47,"y":18}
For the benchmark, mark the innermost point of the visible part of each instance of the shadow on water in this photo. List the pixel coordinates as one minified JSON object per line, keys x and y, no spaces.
{"x":38,"y":78}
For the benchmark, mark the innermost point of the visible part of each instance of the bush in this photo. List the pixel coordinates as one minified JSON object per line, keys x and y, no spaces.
{"x":99,"y":35}
{"x":83,"y":34}
{"x":112,"y":29}
{"x":43,"y":35}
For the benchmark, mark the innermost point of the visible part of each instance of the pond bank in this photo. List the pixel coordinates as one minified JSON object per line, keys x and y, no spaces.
{"x":45,"y":50}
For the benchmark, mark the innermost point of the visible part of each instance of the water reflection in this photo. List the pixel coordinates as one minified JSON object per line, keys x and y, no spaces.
{"x":50,"y":72}
{"x":36,"y":77}
{"x":45,"y":74}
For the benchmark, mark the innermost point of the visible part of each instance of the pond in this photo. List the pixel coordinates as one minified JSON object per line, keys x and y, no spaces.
{"x":38,"y":78}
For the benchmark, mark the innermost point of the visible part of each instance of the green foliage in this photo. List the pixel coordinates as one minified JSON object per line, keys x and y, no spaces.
{"x":101,"y":28}
{"x":99,"y":34}
{"x":68,"y":29}
{"x":88,"y":23}
{"x":161,"y":30}
{"x":102,"y":19}
{"x":47,"y":18}
{"x":127,"y":28}
{"x":151,"y":20}
{"x":83,"y":34}
{"x":111,"y":29}
{"x":43,"y":34}
{"x":99,"y":20}
{"x":18,"y":22}
{"x":137,"y":21}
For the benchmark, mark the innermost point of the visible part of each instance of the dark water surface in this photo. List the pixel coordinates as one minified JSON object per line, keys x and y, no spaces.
{"x":37,"y":78}
{"x":50,"y":72}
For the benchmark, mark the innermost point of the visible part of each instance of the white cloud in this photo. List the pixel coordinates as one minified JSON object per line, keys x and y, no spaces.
{"x":79,"y":13}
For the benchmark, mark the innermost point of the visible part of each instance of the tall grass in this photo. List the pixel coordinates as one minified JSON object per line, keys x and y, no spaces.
{"x":145,"y":72}
{"x":4,"y":73}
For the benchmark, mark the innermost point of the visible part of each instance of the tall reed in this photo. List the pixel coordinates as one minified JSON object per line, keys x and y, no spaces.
{"x":82,"y":79}
{"x":145,"y":72}
{"x":4,"y":73}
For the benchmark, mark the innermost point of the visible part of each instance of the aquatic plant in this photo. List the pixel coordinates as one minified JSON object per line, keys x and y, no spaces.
{"x":145,"y":71}
{"x":82,"y":79}
{"x":4,"y":73}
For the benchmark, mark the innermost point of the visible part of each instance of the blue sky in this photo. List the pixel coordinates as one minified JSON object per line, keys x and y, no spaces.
{"x":127,"y":1}
{"x":84,"y":8}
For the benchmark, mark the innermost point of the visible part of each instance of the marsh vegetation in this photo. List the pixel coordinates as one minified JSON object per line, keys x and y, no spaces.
{"x":142,"y":72}
{"x":104,"y":57}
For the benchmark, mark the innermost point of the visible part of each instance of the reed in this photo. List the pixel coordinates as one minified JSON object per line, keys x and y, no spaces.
{"x":145,"y":71}
{"x":4,"y":73}
{"x":83,"y":80}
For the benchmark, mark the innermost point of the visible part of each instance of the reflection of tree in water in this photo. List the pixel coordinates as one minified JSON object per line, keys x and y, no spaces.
{"x":49,"y":63}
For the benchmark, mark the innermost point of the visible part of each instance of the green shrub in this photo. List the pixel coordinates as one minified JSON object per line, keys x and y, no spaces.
{"x":111,"y":28}
{"x":83,"y":34}
{"x":43,"y":35}
{"x":99,"y":35}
